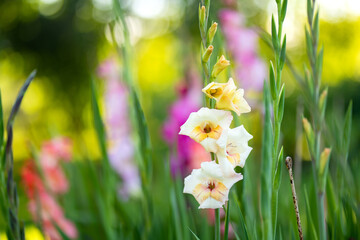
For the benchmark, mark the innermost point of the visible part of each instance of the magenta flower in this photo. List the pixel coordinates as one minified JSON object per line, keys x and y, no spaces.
{"x":242,"y":43}
{"x":120,"y":147}
{"x":185,"y":153}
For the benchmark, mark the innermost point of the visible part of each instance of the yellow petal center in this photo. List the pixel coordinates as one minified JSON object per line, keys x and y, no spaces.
{"x":234,"y":159}
{"x":213,"y":189}
{"x":206,"y":130}
{"x":215,"y":92}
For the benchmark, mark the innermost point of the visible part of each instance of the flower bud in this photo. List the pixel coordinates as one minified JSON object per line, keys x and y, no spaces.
{"x":322,"y":102}
{"x":202,"y":16}
{"x":221,"y":64}
{"x":309,"y":135}
{"x":207,"y":53}
{"x":211,"y":33}
{"x":324,"y":159}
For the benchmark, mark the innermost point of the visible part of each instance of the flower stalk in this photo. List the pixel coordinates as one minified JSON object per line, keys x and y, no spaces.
{"x":210,"y":127}
{"x":317,"y":107}
{"x":274,"y":96}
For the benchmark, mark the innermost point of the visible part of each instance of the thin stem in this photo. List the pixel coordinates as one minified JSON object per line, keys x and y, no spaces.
{"x":316,"y":121}
{"x":217,"y":224}
{"x":288,"y":162}
{"x":227,"y":221}
{"x":321,"y":212}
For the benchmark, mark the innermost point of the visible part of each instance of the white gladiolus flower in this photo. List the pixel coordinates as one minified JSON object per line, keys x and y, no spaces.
{"x":210,"y":185}
{"x":227,"y":96}
{"x":209,"y":128}
{"x":237,"y":149}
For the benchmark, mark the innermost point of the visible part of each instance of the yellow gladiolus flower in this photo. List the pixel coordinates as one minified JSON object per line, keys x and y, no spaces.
{"x":227,"y":97}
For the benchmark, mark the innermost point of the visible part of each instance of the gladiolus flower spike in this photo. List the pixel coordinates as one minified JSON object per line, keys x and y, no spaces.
{"x":210,"y":185}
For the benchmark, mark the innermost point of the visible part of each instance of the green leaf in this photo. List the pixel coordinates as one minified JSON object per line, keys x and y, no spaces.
{"x":98,"y":123}
{"x":227,"y":220}
{"x":1,"y":125}
{"x":272,"y":81}
{"x":182,"y":206}
{"x":347,"y":129}
{"x":105,"y":200}
{"x":2,"y":142}
{"x":176,"y":214}
{"x":310,"y":222}
{"x":274,"y":36}
{"x":315,"y":28}
{"x":144,"y":137}
{"x":319,"y":62}
{"x":278,"y":171}
{"x":310,"y":11}
{"x":242,"y":224}
{"x":283,"y":10}
{"x":281,"y":103}
{"x":266,"y":168}
{"x":283,"y":53}
{"x":14,"y":226}
{"x":331,"y":201}
{"x":19,"y":98}
{"x":309,"y":45}
{"x":196,"y":237}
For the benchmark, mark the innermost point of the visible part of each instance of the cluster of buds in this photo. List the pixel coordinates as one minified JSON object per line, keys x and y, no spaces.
{"x":207,"y":36}
{"x":211,"y":184}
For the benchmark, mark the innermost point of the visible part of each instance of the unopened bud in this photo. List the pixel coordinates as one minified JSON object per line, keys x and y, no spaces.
{"x":307,"y":127}
{"x":211,"y":33}
{"x":207,"y":53}
{"x":220,"y":65}
{"x":322,"y":102}
{"x":202,"y":16}
{"x":309,"y":135}
{"x":324,"y":159}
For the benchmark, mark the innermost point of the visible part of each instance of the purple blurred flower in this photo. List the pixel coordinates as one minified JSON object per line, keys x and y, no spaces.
{"x":120,"y":148}
{"x":242,"y":43}
{"x":182,"y":158}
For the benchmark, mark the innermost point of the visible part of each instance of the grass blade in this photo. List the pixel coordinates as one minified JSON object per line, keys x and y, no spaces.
{"x":14,"y":224}
{"x":266,"y":168}
{"x":196,"y":237}
{"x":144,"y":137}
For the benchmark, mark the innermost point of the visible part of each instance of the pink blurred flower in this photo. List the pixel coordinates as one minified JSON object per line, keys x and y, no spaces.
{"x":31,"y":180}
{"x":43,"y":206}
{"x":242,"y":43}
{"x":188,"y":153}
{"x":47,"y":209}
{"x":121,"y":148}
{"x":55,"y":150}
{"x":52,"y":152}
{"x":56,"y":180}
{"x":109,"y":69}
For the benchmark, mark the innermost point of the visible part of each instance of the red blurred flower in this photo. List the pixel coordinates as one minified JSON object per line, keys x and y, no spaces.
{"x":42,"y":205}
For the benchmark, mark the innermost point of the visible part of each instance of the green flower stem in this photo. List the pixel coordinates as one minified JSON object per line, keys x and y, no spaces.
{"x":217,"y":224}
{"x":315,"y":60}
{"x":278,"y":97}
{"x":226,"y":232}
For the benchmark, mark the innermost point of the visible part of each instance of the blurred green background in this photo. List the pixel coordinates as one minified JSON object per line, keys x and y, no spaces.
{"x":66,"y":41}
